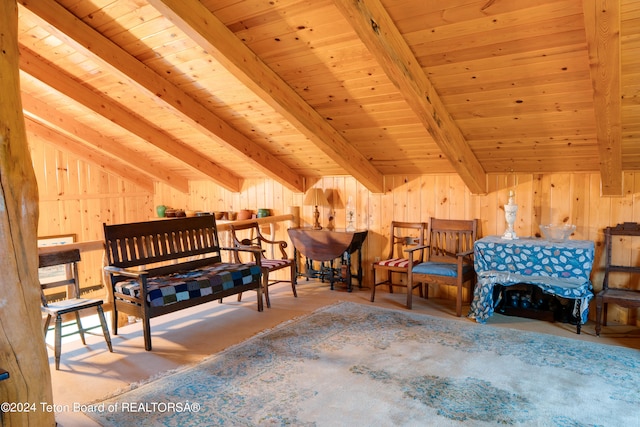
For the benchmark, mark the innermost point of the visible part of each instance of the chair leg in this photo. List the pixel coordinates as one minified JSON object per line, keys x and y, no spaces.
{"x":389,"y":282}
{"x":265,"y":288}
{"x":409,"y":295}
{"x":459,"y":301}
{"x":598,"y":316}
{"x":58,"y":340}
{"x":114,"y":319}
{"x":105,"y":330}
{"x":373,"y":286}
{"x":294,"y":280}
{"x":46,"y":325}
{"x":80,"y":328}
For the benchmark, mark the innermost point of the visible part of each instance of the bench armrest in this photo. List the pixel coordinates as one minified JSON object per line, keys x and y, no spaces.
{"x":125,"y":272}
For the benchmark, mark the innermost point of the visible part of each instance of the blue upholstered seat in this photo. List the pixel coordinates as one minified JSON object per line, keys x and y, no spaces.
{"x":440,"y":269}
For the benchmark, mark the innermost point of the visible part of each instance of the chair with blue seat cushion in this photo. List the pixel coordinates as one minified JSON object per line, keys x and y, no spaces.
{"x":402,"y":235}
{"x":448,"y":259}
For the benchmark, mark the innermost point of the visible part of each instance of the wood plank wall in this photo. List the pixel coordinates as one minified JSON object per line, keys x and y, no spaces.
{"x":76,"y":197}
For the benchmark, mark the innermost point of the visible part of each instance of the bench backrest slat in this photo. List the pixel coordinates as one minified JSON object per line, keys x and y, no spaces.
{"x":141,"y":243}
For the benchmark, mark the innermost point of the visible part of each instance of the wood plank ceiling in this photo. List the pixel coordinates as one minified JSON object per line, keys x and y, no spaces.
{"x":227,"y":90}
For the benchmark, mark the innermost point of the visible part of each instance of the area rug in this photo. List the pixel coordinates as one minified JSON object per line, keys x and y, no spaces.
{"x":360,"y":365}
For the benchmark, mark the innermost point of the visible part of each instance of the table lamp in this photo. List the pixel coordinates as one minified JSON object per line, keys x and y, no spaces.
{"x":316,"y":197}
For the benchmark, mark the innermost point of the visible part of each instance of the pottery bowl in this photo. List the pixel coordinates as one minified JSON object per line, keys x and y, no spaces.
{"x":244,"y":214}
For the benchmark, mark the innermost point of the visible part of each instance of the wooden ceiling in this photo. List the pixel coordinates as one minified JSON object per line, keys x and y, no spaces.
{"x":227,"y":90}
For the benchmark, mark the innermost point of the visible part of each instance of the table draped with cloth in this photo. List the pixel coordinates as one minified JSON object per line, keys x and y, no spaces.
{"x":558,"y":268}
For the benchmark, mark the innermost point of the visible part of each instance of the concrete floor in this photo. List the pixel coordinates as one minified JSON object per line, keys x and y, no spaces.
{"x":89,"y":373}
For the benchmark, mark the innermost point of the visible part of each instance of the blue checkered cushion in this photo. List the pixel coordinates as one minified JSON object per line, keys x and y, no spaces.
{"x":165,"y":290}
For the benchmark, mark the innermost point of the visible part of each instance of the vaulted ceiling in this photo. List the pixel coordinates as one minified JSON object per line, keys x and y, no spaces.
{"x":227,"y":90}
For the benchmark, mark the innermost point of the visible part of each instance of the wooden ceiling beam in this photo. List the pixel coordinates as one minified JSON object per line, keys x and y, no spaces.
{"x":73,"y":30}
{"x":102,"y":145}
{"x":80,"y":150}
{"x":57,"y":79}
{"x":212,"y":35}
{"x":378,"y":32}
{"x":602,"y":27}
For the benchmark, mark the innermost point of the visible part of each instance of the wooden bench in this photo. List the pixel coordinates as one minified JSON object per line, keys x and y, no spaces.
{"x":159,"y":267}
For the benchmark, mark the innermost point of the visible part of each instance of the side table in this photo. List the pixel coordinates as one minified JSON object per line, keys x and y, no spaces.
{"x":558,"y":268}
{"x":326,"y":246}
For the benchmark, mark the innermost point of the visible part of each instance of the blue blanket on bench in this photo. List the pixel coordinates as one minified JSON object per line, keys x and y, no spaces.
{"x":181,"y":286}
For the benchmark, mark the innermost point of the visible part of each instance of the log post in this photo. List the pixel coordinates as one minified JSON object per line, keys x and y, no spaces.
{"x":23,"y":352}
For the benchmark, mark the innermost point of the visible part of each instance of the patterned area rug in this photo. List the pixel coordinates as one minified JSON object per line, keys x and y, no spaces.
{"x":352,"y":364}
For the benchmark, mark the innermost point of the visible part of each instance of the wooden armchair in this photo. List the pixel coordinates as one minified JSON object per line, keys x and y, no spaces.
{"x":403,"y":235}
{"x":448,"y":259}
{"x":249,"y":234}
{"x":616,"y":294}
{"x":68,"y":305}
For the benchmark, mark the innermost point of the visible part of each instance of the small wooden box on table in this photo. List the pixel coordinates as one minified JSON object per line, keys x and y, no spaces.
{"x":159,"y":267}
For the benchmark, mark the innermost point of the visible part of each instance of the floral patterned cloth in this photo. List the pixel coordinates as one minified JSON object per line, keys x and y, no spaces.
{"x":561,"y":269}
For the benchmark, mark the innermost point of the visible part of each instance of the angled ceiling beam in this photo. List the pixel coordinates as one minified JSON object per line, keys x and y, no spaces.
{"x":71,"y":29}
{"x":602,"y":26}
{"x":57,"y":79}
{"x":378,"y":32}
{"x":211,"y":34}
{"x":107,"y":163}
{"x":42,"y":112}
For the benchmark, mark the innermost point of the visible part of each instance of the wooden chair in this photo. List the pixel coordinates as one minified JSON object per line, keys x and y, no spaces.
{"x":616,"y":294}
{"x":252,"y":236}
{"x":448,"y":259}
{"x":68,"y":305}
{"x":403,"y":235}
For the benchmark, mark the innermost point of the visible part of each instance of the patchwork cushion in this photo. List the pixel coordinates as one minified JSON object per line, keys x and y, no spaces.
{"x":181,"y":286}
{"x":439,"y":269}
{"x":395,"y":262}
